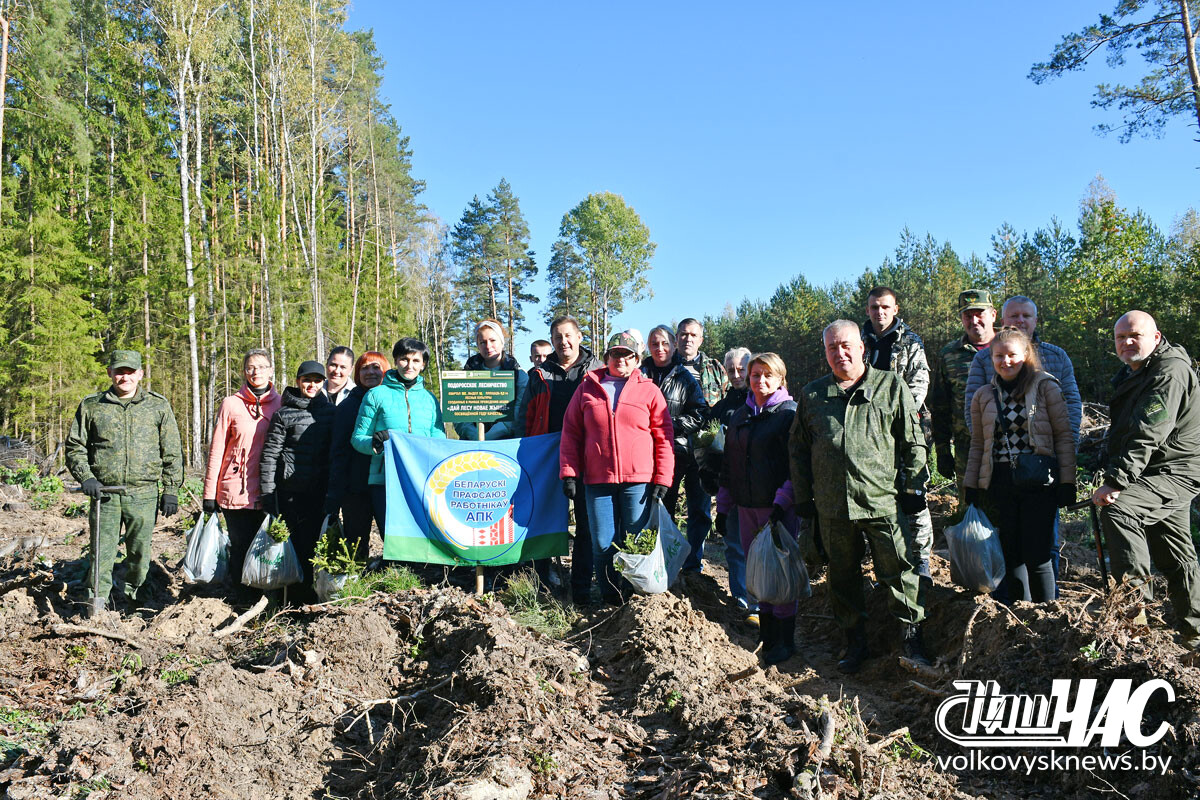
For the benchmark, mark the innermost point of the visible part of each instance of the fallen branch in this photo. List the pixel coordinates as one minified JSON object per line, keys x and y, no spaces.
{"x":966,"y":643}
{"x":928,"y":689}
{"x":367,"y":705}
{"x":31,"y":579}
{"x":241,"y":621}
{"x":67,"y":629}
{"x":827,"y":727}
{"x":734,"y":677}
{"x":895,"y":736}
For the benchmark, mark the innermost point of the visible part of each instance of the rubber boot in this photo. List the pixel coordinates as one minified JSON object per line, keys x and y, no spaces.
{"x":914,"y":645}
{"x":857,"y":650}
{"x":785,"y":644}
{"x":766,"y":633}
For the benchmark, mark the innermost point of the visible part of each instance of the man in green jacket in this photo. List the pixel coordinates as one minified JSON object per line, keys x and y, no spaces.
{"x":852,"y":429}
{"x":947,"y":394}
{"x":124,"y":436}
{"x":1153,"y":468}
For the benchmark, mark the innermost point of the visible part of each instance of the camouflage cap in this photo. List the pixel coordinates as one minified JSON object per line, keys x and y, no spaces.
{"x":623,"y":341}
{"x":974,"y":300}
{"x":125,"y":359}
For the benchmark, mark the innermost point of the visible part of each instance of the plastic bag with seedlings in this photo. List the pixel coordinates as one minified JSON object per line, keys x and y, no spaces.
{"x":654,"y":565}
{"x":271,"y":564}
{"x":976,"y":558}
{"x":333,"y":560}
{"x":775,"y":571}
{"x":207,"y":557}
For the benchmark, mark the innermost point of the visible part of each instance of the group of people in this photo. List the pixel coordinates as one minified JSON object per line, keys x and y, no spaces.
{"x":844,"y":460}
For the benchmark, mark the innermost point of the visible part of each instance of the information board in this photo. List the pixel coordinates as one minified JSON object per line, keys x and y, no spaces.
{"x":477,"y":395}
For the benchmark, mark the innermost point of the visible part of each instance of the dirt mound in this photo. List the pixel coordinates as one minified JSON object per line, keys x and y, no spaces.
{"x":433,"y":693}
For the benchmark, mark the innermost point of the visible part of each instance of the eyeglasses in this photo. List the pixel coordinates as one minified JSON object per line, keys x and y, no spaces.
{"x":256,"y":370}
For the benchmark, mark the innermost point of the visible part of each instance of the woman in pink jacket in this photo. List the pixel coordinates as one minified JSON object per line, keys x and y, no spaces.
{"x":617,"y":441}
{"x":231,"y":479}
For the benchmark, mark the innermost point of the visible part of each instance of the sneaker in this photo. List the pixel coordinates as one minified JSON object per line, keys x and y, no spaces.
{"x":752,"y":619}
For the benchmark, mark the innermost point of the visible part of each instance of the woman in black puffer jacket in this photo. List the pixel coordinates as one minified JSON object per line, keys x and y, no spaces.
{"x":295,"y":463}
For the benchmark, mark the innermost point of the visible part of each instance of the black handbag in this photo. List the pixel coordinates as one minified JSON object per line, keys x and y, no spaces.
{"x":1029,"y":470}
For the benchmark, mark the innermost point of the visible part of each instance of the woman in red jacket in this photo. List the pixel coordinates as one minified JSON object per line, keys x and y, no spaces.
{"x":617,"y":441}
{"x":231,"y":482}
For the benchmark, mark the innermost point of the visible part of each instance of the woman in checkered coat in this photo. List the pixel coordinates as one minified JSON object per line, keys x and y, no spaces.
{"x":1021,"y":413}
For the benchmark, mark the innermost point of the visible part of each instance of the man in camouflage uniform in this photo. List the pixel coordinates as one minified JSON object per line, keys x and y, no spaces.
{"x":892,"y":345}
{"x":951,"y":438}
{"x":124,"y":436}
{"x":852,"y":429}
{"x":1152,"y":472}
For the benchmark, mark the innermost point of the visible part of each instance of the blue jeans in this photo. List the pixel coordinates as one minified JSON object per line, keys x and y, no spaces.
{"x":613,"y":509}
{"x":735,"y":561}
{"x":699,"y":507}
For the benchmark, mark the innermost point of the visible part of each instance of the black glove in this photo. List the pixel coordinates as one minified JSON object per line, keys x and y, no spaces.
{"x":971,"y":495}
{"x":945,"y":462}
{"x":912,"y":503}
{"x":1066,"y":494}
{"x":807,"y":509}
{"x":270,"y":503}
{"x":657,"y":492}
{"x":91,"y":487}
{"x":777,"y":513}
{"x":210,"y":506}
{"x":379,"y":439}
{"x":168,"y":504}
{"x":722,"y":522}
{"x":569,"y":488}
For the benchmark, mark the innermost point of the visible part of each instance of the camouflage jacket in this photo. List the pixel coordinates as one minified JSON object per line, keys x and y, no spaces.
{"x":907,"y":359}
{"x":1155,"y":426}
{"x":866,"y":446}
{"x":947,"y":393}
{"x":713,"y":381}
{"x":132,"y":443}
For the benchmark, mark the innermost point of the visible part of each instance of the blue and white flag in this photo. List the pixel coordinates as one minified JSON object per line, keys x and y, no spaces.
{"x":459,"y":502}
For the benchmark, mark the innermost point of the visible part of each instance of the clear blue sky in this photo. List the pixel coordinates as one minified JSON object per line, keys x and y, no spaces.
{"x":763,"y":140}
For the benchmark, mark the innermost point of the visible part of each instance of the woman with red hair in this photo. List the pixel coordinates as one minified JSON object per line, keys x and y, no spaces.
{"x":349,"y":469}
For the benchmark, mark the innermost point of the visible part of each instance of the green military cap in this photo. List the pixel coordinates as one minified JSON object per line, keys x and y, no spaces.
{"x":128,"y":359}
{"x":974,"y":300}
{"x":623,"y":341}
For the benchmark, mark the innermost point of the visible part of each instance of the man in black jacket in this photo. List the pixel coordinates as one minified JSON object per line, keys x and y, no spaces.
{"x":1153,"y":468}
{"x":551,"y":385}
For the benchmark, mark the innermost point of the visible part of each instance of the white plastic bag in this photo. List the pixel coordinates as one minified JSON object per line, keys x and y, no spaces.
{"x":976,"y":557}
{"x":775,"y":571}
{"x":654,"y":573}
{"x":207,"y":557}
{"x":327,"y":585}
{"x":270,"y":564}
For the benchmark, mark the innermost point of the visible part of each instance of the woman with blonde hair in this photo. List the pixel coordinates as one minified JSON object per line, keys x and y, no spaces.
{"x":756,"y":478}
{"x":1023,"y":457}
{"x":349,"y":470}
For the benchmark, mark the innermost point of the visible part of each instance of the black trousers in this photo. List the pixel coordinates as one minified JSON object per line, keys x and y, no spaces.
{"x":242,"y":524}
{"x":1025,"y":518}
{"x":303,"y":512}
{"x":581,"y":555}
{"x":358,"y":511}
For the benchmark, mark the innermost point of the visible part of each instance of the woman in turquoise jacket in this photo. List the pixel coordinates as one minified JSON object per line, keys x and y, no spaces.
{"x":400,"y":403}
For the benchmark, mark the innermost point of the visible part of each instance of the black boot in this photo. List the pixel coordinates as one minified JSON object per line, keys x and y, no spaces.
{"x":766,"y":632}
{"x":856,"y":650}
{"x":785,"y":644}
{"x":914,"y":645}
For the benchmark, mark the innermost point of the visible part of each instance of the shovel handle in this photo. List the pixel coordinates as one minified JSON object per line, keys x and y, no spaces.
{"x":109,"y":489}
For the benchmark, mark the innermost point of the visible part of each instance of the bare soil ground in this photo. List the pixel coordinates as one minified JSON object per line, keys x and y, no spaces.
{"x":433,"y":693}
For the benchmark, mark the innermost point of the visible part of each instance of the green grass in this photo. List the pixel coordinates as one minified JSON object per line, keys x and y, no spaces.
{"x":20,"y":730}
{"x":182,"y":671}
{"x":392,"y":580}
{"x":543,"y":614}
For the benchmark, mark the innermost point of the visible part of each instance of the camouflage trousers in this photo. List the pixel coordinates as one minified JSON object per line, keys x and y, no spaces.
{"x":136,"y":513}
{"x":917,"y":530}
{"x":1151,"y":521}
{"x":843,"y":540}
